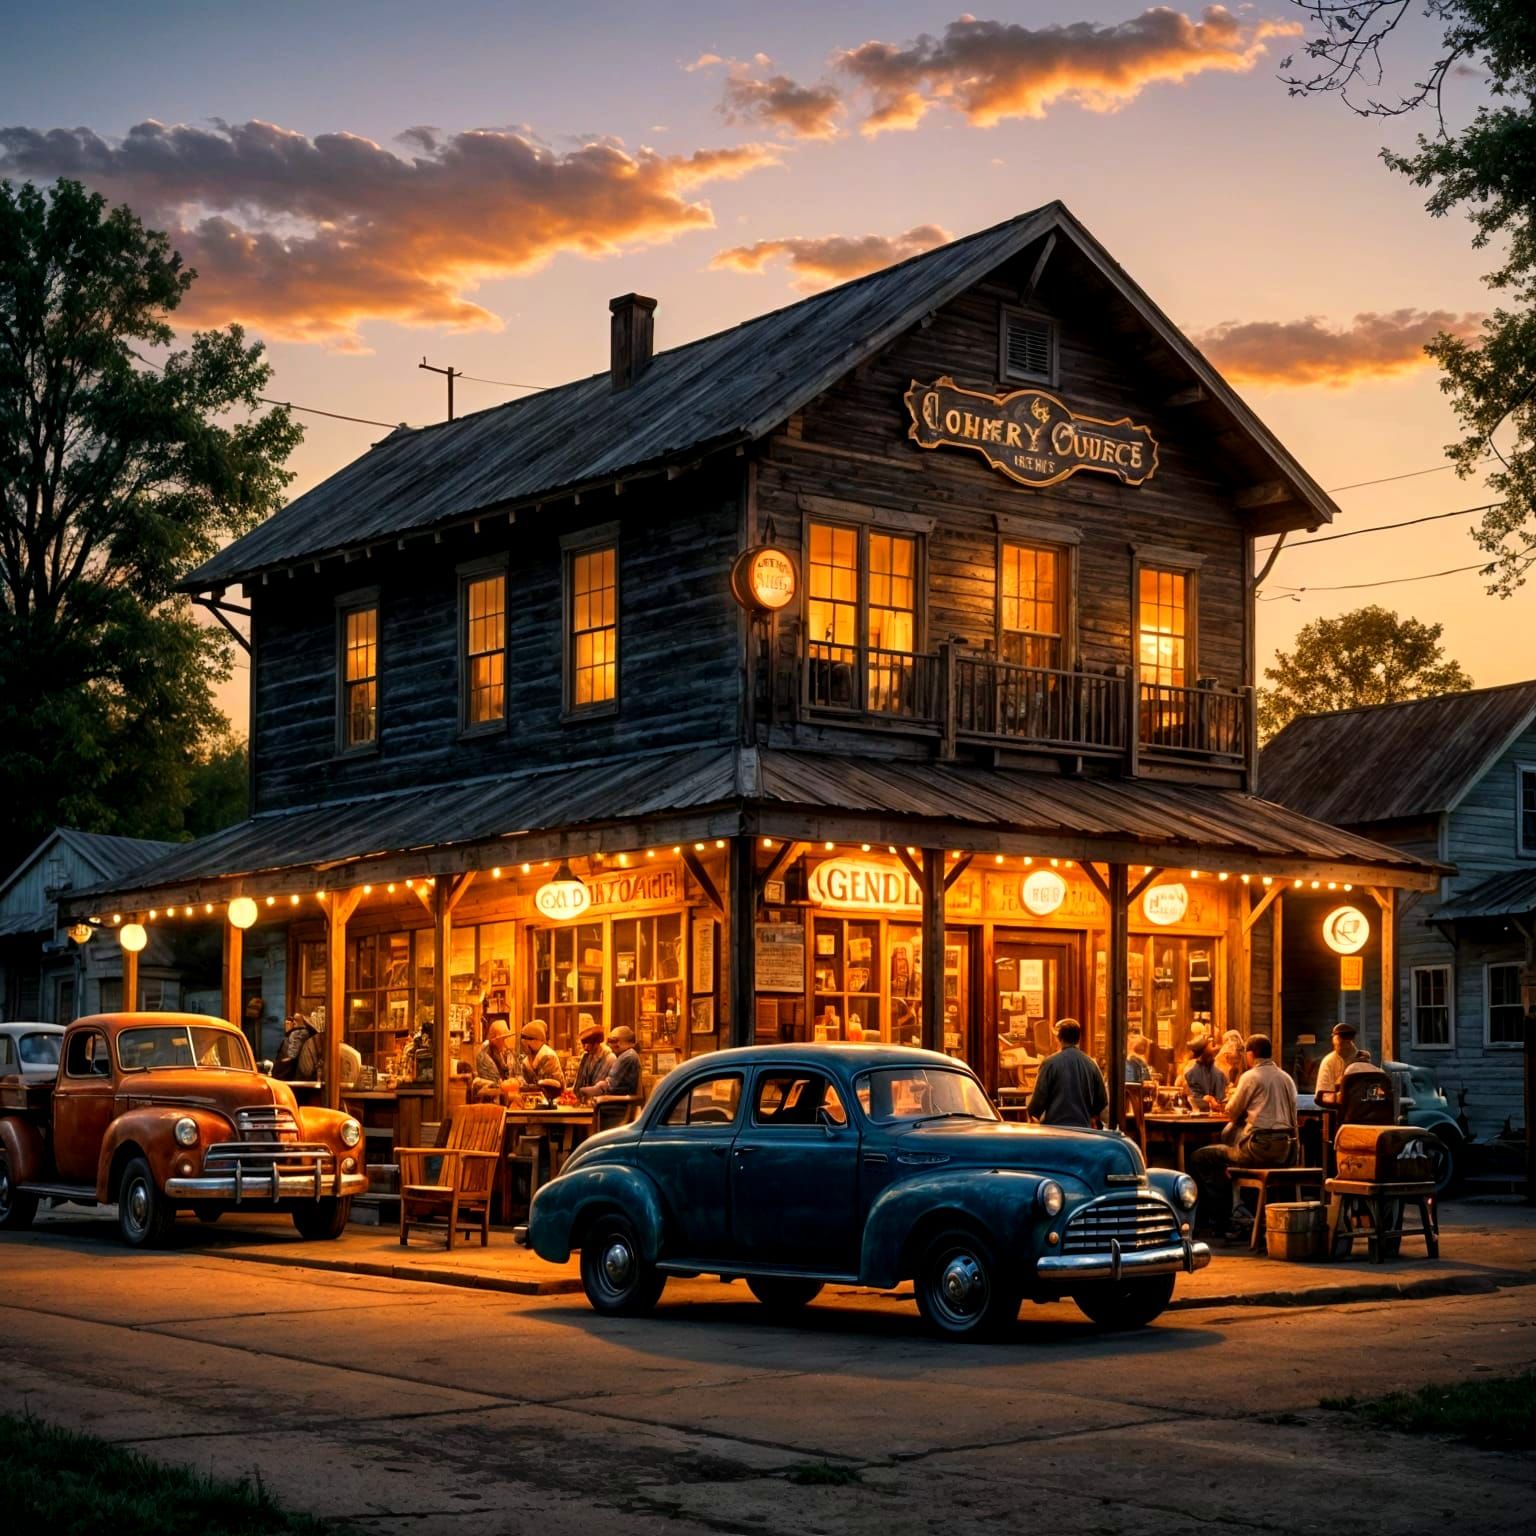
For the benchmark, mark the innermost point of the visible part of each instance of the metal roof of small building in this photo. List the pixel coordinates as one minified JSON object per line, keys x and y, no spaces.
{"x":1393,"y":762}
{"x":1188,"y":820}
{"x":1512,"y":894}
{"x":725,"y":389}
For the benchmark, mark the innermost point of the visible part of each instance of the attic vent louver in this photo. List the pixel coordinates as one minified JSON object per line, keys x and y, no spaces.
{"x":1028,"y":348}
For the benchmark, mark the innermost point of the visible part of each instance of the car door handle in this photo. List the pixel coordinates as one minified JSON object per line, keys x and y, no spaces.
{"x":875,"y":1159}
{"x":743,"y":1151}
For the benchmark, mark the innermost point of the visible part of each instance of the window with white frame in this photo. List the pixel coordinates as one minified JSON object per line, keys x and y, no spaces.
{"x":1525,"y":808}
{"x":1504,"y":1016}
{"x":1432,"y":1017}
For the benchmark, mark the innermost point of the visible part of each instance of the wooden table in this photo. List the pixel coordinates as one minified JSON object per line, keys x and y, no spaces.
{"x":566,"y":1128}
{"x":1182,"y":1129}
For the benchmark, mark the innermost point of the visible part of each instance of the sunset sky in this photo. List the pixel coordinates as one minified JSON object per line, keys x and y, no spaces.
{"x":363,"y":184}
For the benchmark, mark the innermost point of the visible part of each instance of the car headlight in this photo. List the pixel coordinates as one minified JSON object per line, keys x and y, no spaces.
{"x":1051,"y":1198}
{"x":351,"y":1133}
{"x":1187,"y":1191}
{"x":186,"y":1131}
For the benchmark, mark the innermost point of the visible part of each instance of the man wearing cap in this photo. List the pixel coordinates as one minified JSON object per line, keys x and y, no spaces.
{"x":621,"y":1078}
{"x":493,"y":1064}
{"x":1330,"y":1073}
{"x":540,"y":1066}
{"x":596,"y":1058}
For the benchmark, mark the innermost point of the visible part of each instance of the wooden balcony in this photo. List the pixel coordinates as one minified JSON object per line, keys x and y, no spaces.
{"x":975,"y":698}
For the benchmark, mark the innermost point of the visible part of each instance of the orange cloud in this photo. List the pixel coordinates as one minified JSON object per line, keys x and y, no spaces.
{"x":992,"y":70}
{"x":817,"y":261}
{"x":804,"y":111}
{"x":308,"y":238}
{"x":1305,"y":352}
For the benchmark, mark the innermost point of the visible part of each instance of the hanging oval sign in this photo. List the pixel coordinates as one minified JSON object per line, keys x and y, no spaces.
{"x":1345,"y":930}
{"x":1165,"y":904}
{"x":562,"y":899}
{"x":764,"y":578}
{"x":1043,"y":891}
{"x":863,"y":885}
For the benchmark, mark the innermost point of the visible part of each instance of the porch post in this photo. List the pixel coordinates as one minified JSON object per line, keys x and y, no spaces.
{"x":1119,"y":990}
{"x":1388,"y":900}
{"x":933,"y":948}
{"x":130,"y":980}
{"x":233,"y":960}
{"x":338,"y":909}
{"x":741,"y":904}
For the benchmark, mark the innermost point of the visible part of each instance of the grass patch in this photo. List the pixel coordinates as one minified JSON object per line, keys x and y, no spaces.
{"x":1498,"y":1414}
{"x":67,"y":1484}
{"x":823,"y":1474}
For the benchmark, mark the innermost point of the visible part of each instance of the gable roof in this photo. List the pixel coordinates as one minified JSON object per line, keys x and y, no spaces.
{"x":1394,"y":762}
{"x":111,"y":857}
{"x":723,"y":390}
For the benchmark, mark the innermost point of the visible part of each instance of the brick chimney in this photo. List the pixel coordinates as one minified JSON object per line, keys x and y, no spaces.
{"x":633,"y":335}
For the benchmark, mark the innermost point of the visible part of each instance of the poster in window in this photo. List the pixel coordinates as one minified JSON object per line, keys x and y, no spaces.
{"x":780,"y":961}
{"x":703,"y":954}
{"x":1032,"y":985}
{"x":702,"y":1016}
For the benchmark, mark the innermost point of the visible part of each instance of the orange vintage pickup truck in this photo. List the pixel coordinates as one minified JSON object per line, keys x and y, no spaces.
{"x":163,"y":1112}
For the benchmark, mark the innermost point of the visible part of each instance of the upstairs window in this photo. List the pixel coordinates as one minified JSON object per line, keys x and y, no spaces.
{"x":1030,"y":619}
{"x":485,"y":651}
{"x":832,"y":601}
{"x":592,"y":603}
{"x":1164,"y":628}
{"x":359,"y":676}
{"x":1525,"y":808}
{"x":892,"y":592}
{"x":1028,"y":346}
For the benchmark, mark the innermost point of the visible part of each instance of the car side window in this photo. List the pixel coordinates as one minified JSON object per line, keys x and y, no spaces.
{"x":88,"y":1055}
{"x":7,"y":1054}
{"x":710,"y":1101}
{"x":796,"y":1097}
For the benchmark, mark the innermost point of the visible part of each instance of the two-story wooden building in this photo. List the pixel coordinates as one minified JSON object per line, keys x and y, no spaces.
{"x":965,"y":746}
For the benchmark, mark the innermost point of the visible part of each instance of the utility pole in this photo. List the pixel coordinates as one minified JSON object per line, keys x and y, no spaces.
{"x":448,"y":373}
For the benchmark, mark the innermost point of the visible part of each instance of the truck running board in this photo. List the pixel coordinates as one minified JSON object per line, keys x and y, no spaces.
{"x":81,"y":1194}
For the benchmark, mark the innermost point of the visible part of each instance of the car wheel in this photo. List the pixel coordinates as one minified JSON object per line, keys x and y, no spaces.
{"x":962,"y":1291}
{"x":615,"y":1276}
{"x":144,"y":1216}
{"x":781,"y":1293}
{"x":17,"y":1208}
{"x":1125,"y":1304}
{"x":1444,"y":1163}
{"x":324,"y":1219}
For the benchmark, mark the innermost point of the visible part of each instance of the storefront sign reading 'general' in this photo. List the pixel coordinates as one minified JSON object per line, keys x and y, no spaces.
{"x":1029,"y":435}
{"x":863,"y":885}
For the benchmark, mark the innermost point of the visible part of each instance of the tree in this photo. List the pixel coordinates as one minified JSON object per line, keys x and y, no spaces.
{"x":117,"y":477}
{"x":217,"y":786}
{"x":1370,"y":656}
{"x":1488,"y":169}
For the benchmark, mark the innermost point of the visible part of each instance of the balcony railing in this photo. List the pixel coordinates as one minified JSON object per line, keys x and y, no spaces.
{"x":976,"y":697}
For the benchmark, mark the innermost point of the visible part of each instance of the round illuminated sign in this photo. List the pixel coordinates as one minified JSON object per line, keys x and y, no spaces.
{"x":1345,"y":930}
{"x":1043,"y":892}
{"x":80,"y":932}
{"x":1165,"y":904}
{"x":862,"y":885}
{"x":564,"y":897}
{"x":764,"y":578}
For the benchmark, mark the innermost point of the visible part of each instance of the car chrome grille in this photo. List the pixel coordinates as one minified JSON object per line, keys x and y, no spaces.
{"x":1142,"y":1222}
{"x":271,"y":1122}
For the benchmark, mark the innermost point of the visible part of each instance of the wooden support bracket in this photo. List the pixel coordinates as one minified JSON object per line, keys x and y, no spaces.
{"x":695,"y":867}
{"x":1269,"y":899}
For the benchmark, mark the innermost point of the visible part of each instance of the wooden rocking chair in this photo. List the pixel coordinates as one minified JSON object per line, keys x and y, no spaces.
{"x":458,"y":1187}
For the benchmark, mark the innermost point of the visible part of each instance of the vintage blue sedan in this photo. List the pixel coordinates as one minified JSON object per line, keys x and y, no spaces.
{"x":793,"y":1167}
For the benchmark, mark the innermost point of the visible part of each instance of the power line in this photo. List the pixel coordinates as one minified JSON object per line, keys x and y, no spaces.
{"x":1407,"y":522}
{"x":1391,"y":581}
{"x":314,"y":410}
{"x":503,"y":383}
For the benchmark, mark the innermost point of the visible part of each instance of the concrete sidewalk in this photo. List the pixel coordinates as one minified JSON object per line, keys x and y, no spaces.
{"x":1486,"y":1244}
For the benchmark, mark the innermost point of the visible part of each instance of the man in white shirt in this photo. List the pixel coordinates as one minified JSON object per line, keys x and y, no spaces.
{"x":1261,"y":1133}
{"x":1331,"y":1070}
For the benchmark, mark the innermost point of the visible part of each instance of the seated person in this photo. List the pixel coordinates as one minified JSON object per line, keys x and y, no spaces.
{"x":596,"y":1058}
{"x":1331,"y":1070}
{"x":539,"y":1066}
{"x":494,"y":1067}
{"x":1137,"y":1068}
{"x":621,"y":1079}
{"x":1204,"y":1084}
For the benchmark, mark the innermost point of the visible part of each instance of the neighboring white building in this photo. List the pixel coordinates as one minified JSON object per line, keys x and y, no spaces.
{"x":1451,"y":779}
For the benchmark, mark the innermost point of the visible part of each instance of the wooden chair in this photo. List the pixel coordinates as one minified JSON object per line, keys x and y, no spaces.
{"x":1362,"y":1210}
{"x":1291,"y":1182}
{"x":458,"y":1188}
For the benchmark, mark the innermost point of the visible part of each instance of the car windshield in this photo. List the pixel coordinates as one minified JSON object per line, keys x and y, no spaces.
{"x":39,"y":1050}
{"x":157,"y":1047}
{"x":920,"y":1093}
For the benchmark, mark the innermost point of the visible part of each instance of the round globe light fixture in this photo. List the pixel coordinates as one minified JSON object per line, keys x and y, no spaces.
{"x":242,"y":912}
{"x":132,"y":937}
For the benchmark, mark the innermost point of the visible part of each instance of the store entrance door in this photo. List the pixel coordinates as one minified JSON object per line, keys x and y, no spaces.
{"x":1035,"y":982}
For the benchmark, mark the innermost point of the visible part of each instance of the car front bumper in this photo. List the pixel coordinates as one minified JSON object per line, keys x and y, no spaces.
{"x":261,"y":1187}
{"x":1117,"y":1263}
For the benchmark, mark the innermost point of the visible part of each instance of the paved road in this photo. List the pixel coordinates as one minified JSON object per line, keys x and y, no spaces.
{"x":416,"y":1408}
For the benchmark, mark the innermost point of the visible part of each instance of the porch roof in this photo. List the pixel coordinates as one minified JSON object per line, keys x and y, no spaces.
{"x":1512,"y":894}
{"x":724,"y":791}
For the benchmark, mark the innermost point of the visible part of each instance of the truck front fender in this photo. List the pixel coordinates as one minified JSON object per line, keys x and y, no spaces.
{"x":152,"y":1132}
{"x":566,"y":1206}
{"x":25,"y":1148}
{"x":998,"y":1201}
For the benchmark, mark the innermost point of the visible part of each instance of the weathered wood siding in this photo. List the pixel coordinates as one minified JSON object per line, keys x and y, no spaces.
{"x":679,"y":670}
{"x":852,"y":445}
